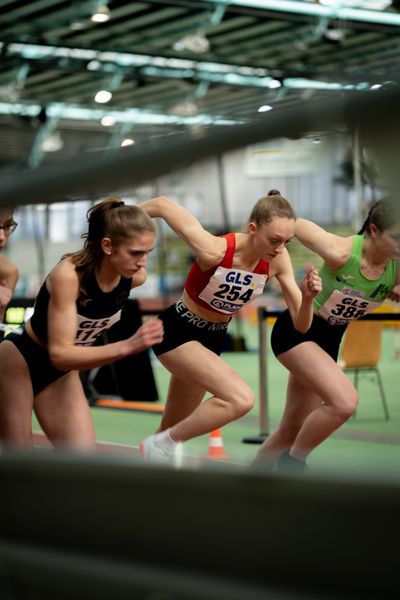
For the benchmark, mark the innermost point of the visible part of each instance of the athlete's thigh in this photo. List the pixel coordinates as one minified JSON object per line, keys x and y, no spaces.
{"x":314,"y":369}
{"x":64,"y":413}
{"x":183,"y":398}
{"x":300,"y":402}
{"x":16,"y":396}
{"x":198,"y":366}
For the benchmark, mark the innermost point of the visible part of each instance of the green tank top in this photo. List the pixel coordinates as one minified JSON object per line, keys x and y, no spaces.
{"x":346,"y":294}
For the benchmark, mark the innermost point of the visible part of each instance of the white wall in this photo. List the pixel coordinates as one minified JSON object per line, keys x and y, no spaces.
{"x":306,"y":179}
{"x":313,"y":194}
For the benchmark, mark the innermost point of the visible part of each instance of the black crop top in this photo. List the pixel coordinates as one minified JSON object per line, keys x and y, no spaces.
{"x":100,"y":311}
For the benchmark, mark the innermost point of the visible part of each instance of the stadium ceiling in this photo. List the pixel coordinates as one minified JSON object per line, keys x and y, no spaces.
{"x":177,"y":66}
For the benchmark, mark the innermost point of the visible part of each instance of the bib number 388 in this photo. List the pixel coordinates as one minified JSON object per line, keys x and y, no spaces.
{"x":340,"y":309}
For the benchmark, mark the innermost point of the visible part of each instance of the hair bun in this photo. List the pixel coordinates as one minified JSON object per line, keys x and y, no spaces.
{"x":116,"y":203}
{"x":274,"y":193}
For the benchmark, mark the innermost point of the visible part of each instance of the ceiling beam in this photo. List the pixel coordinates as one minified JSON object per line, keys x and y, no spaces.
{"x":92,"y":174}
{"x":313,"y":9}
{"x":159,"y":66}
{"x":64,"y":111}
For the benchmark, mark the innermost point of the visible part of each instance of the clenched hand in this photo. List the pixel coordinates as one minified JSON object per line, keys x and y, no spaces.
{"x":150,"y":333}
{"x":312,"y":282}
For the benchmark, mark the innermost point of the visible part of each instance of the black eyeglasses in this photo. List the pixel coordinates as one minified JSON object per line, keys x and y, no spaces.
{"x":9,"y":227}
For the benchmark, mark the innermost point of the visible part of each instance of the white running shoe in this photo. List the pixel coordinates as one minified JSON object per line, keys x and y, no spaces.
{"x":155,"y":451}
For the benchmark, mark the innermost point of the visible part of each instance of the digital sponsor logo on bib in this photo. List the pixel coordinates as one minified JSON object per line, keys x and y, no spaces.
{"x":230,"y":289}
{"x":351,"y":292}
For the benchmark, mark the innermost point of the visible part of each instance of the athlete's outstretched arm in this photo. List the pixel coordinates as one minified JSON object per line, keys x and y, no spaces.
{"x":207,"y":247}
{"x":333,"y":248}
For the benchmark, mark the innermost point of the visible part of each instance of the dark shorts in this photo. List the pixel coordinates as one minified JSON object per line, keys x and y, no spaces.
{"x":284,"y":336}
{"x":38,"y":360}
{"x":181,"y":326}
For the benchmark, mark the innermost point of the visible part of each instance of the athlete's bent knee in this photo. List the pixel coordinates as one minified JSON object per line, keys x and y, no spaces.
{"x":348,"y":407}
{"x":243,"y":402}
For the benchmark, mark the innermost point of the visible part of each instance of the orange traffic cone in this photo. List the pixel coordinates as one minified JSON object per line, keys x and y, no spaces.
{"x":216,"y":446}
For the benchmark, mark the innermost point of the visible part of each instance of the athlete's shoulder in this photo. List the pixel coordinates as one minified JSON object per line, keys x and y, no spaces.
{"x":7,"y":267}
{"x":339,"y":253}
{"x":63,"y":275}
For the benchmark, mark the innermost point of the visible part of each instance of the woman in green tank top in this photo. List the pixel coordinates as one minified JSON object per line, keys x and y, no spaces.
{"x":358,"y":274}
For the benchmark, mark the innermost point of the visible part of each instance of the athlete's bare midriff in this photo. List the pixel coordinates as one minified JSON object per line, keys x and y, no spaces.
{"x":208,"y":315}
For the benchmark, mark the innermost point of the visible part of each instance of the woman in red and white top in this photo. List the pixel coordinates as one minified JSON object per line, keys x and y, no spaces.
{"x":229,"y":272}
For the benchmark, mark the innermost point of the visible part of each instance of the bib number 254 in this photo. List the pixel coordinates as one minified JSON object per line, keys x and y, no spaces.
{"x":233,"y":293}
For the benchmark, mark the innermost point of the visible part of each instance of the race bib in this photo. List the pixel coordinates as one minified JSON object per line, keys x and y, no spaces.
{"x":90,"y":329}
{"x":230,"y":289}
{"x":341,"y":308}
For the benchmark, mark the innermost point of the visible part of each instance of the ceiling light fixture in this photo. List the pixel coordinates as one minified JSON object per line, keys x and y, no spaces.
{"x":103,"y":96}
{"x":94,"y":65}
{"x":185,"y":108}
{"x":127,"y":142}
{"x":77,"y":25}
{"x":265,"y":108}
{"x":334,"y":34}
{"x":197,"y":43}
{"x":53,"y":143}
{"x":107,"y":121}
{"x":274,"y":84}
{"x":101,"y":14}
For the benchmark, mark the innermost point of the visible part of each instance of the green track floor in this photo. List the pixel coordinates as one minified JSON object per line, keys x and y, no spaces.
{"x":366,"y":444}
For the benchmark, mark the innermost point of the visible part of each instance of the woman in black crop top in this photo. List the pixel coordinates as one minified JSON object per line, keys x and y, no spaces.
{"x":229,"y":272}
{"x":80,"y":299}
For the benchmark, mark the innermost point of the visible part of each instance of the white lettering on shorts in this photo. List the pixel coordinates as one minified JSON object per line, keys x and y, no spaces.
{"x":198,"y":321}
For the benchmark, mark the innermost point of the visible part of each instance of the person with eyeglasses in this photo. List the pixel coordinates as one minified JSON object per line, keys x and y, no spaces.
{"x":8,"y":271}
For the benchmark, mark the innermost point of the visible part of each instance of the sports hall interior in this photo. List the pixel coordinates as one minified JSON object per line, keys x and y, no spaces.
{"x":211,"y":103}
